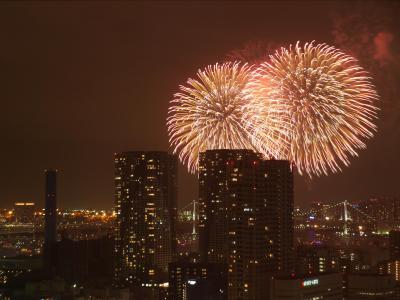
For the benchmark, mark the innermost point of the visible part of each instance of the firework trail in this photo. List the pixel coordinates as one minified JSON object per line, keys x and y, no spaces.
{"x":325,"y":101}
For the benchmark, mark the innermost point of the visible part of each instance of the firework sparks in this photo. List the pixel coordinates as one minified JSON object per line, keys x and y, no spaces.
{"x":207,"y":113}
{"x":212,"y":112}
{"x":324,"y":98}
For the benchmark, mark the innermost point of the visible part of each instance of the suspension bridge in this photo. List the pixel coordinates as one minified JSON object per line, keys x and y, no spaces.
{"x":344,"y":214}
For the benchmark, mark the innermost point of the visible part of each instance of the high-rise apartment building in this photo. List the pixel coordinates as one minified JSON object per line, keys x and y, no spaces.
{"x":145,"y":204}
{"x":246,"y":218}
{"x":279,"y":188}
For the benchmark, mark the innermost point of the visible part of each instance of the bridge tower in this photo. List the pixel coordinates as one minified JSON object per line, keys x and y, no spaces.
{"x":194,"y":232}
{"x":346,"y":217}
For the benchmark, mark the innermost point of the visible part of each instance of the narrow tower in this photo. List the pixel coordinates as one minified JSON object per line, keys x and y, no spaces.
{"x":145,"y":204}
{"x":50,"y":221}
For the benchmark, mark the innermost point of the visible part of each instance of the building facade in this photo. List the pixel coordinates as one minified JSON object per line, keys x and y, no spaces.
{"x":24,"y":212}
{"x":372,"y":286}
{"x":280,"y":198}
{"x":393,"y":268}
{"x":320,"y":286}
{"x":394,"y":244}
{"x":145,"y":204}
{"x":311,"y":259}
{"x":197,"y":280}
{"x":246,"y":218}
{"x":85,"y":261}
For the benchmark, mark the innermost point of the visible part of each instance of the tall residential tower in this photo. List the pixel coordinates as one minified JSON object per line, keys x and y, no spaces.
{"x":145,"y":204}
{"x":246,"y":218}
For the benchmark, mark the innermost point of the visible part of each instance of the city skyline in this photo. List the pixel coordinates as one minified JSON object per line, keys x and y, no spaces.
{"x":79,"y":106}
{"x":245,"y":218}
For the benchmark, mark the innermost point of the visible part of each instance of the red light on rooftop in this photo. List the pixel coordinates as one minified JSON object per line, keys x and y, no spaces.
{"x":230,"y":163}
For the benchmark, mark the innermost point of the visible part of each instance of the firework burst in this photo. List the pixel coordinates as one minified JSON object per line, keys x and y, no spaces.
{"x":212,"y":112}
{"x":324,"y":98}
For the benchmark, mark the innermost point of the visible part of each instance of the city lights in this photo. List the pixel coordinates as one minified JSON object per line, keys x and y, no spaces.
{"x":193,"y":150}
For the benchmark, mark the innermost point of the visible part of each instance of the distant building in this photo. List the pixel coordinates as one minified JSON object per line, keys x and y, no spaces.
{"x":145,"y":204}
{"x":317,"y":209}
{"x":42,"y":289}
{"x":202,"y":289}
{"x":85,"y":261}
{"x":354,"y":260}
{"x":320,"y":286}
{"x":246,"y":218}
{"x":389,"y":264}
{"x":317,"y":259}
{"x":393,"y":268}
{"x":24,"y":212}
{"x":372,"y":286}
{"x":394,"y":244}
{"x":196,"y":280}
{"x":108,"y":293}
{"x":14,"y":267}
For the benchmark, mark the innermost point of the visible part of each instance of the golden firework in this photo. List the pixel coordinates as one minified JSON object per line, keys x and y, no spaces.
{"x":325,"y":100}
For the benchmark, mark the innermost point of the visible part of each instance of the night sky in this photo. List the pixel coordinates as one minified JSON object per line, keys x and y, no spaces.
{"x":82,"y":80}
